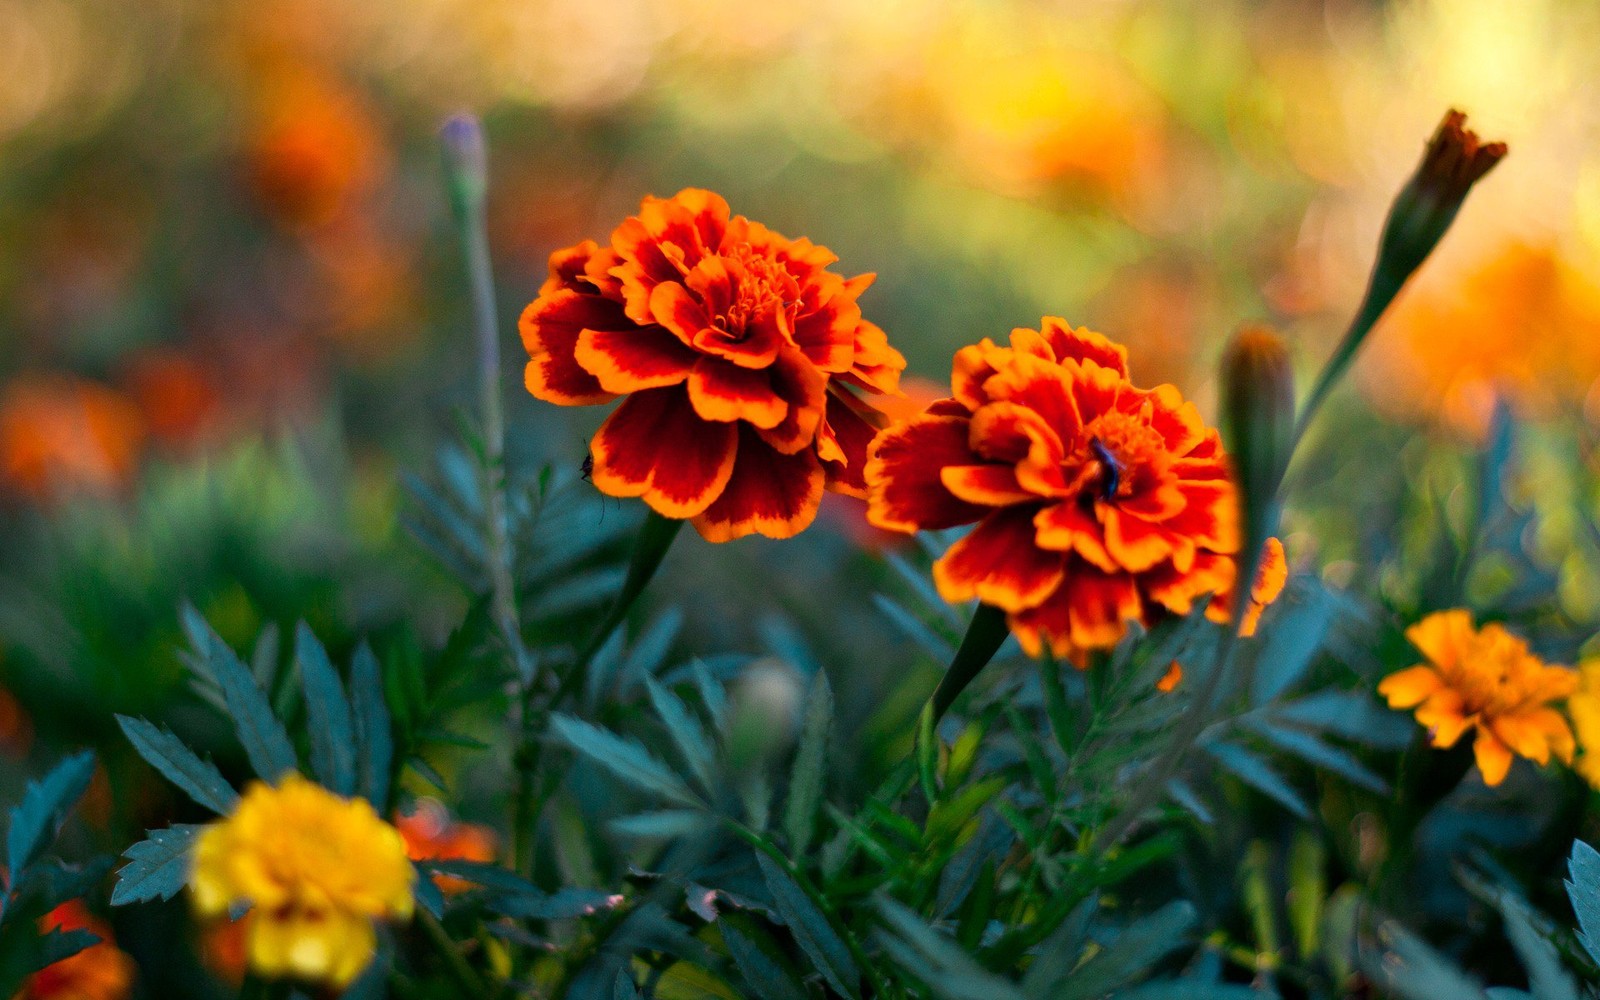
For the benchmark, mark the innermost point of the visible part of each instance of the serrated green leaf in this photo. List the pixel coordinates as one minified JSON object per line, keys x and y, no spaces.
{"x":1583,"y":889}
{"x":1258,"y":774}
{"x":811,"y":929}
{"x":373,"y":725}
{"x":1132,"y":955}
{"x":1547,"y":980}
{"x":806,"y":777}
{"x":266,"y":743}
{"x":686,"y":732}
{"x":763,"y":975}
{"x":330,"y":727}
{"x":666,"y":824}
{"x":44,"y":807}
{"x":624,"y":759}
{"x":197,"y":778}
{"x":1416,"y":971}
{"x":157,"y":867}
{"x":939,"y":962}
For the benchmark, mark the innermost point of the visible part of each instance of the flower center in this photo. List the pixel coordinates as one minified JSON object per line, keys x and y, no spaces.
{"x":762,"y":288}
{"x":1118,"y":449}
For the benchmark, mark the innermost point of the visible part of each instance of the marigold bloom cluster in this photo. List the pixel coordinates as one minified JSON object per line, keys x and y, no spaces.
{"x":317,"y":869}
{"x":735,"y":347}
{"x":99,"y":972}
{"x":1096,"y":503}
{"x":1486,"y":681}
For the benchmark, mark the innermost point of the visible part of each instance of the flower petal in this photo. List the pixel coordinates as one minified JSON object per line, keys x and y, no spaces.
{"x":1494,"y":758}
{"x":1443,"y":636}
{"x":643,"y":357}
{"x":654,"y":446}
{"x":805,"y":389}
{"x":550,"y":328}
{"x":769,"y":493}
{"x":904,"y":491}
{"x":990,"y":485}
{"x":721,"y":390}
{"x":1410,"y":687}
{"x":998,"y":563}
{"x":842,"y":442}
{"x":1083,"y":344}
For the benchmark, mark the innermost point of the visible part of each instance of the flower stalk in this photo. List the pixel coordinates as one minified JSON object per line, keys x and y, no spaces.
{"x":467,"y":176}
{"x":1454,"y":160}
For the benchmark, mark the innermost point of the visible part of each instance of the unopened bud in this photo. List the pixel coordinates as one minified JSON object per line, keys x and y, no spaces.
{"x":1455,"y":159}
{"x":466,"y":161}
{"x":765,"y":712}
{"x":1258,"y":412}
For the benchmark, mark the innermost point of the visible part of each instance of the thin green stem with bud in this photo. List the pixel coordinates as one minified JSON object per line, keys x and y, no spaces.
{"x":466,"y":167}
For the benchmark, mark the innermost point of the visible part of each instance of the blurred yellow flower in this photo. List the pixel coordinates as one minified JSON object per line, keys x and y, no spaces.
{"x":1584,"y":707}
{"x":318,"y":870}
{"x":1484,"y":679}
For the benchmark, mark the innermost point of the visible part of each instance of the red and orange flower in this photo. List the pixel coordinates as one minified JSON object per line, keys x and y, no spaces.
{"x":101,"y":971}
{"x":1096,"y":503}
{"x":735,"y":348}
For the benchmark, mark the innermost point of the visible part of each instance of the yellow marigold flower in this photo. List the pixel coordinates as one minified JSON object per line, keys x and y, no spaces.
{"x":1584,"y":707}
{"x":1484,"y":679}
{"x":318,"y":870}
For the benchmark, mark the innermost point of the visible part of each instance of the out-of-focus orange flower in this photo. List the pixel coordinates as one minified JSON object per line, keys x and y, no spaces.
{"x":736,"y":348}
{"x":1015,"y":99}
{"x":363,"y":287}
{"x":1488,"y":681}
{"x":1171,"y":679}
{"x":224,"y":944}
{"x":178,"y":397}
{"x":99,"y":972}
{"x":430,"y":834}
{"x":62,"y":435}
{"x":1096,"y":503}
{"x":1522,"y":324}
{"x":16,"y":728}
{"x":313,"y":147}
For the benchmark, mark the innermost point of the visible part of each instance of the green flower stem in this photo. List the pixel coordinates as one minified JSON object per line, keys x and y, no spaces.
{"x":650,"y":547}
{"x":985,"y":635}
{"x":468,"y":983}
{"x":466,"y":168}
{"x":1184,"y":740}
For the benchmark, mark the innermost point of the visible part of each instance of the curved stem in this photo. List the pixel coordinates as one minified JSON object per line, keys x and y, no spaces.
{"x":985,"y":635}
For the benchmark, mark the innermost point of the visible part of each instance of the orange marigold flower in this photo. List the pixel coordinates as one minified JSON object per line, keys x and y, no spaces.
{"x":61,"y":435}
{"x":99,"y":972}
{"x":1485,"y":680}
{"x":431,"y":834}
{"x":1096,"y":503}
{"x":735,"y":348}
{"x":1584,"y":707}
{"x":1171,"y":679}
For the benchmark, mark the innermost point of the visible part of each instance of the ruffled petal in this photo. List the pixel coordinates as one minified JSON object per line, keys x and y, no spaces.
{"x":1084,"y":345}
{"x":904,"y":491}
{"x":769,"y":493}
{"x":805,"y":389}
{"x":998,"y":564}
{"x":842,"y":442}
{"x":1493,"y":757}
{"x":654,"y":446}
{"x":722,"y":391}
{"x":1443,"y":636}
{"x":550,"y":328}
{"x":990,"y":485}
{"x":625,"y":361}
{"x":1410,"y":687}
